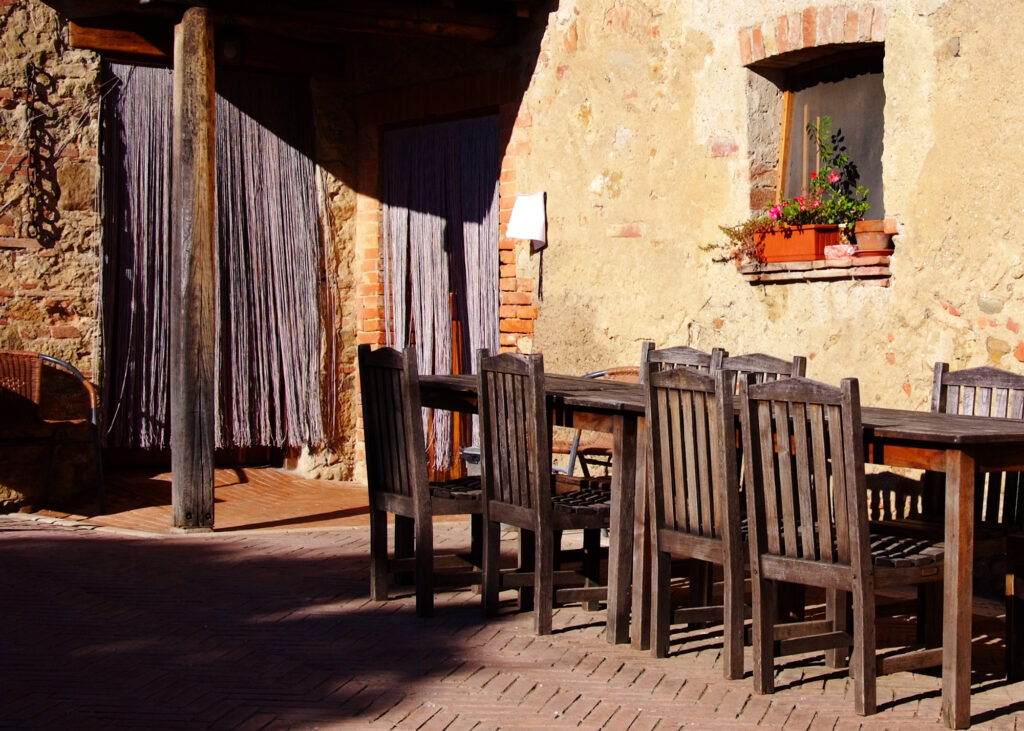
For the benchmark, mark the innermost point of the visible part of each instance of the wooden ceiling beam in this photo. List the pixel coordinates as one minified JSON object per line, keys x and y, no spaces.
{"x":121,"y":42}
{"x":305,"y":21}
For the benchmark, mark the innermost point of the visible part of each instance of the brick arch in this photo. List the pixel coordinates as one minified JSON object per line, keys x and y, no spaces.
{"x":810,"y":28}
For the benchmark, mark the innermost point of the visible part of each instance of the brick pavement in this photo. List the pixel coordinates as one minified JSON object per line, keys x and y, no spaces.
{"x":110,"y":628}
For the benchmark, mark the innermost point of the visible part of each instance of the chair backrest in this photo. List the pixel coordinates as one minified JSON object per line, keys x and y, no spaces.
{"x":396,"y":460}
{"x":19,"y":379}
{"x":693,"y":452}
{"x":764,"y":367}
{"x":515,"y":446}
{"x":986,"y":391}
{"x":980,"y":391}
{"x":679,"y":355}
{"x":803,"y":443}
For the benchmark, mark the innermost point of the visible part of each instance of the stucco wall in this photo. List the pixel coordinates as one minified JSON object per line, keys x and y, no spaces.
{"x":639,"y":124}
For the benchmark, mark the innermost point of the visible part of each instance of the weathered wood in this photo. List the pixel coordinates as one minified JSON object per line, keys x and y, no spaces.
{"x":806,"y":446}
{"x":193,"y":274}
{"x":517,"y":486}
{"x":897,"y":437}
{"x":398,"y":478}
{"x":695,"y":497}
{"x":123,"y":42}
{"x":620,"y":527}
{"x":956,"y":629}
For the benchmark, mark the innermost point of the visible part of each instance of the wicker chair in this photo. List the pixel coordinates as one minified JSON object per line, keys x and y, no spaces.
{"x":22,"y":424}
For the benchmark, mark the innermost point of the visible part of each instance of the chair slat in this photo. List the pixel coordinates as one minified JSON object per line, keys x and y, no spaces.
{"x":766,"y":443}
{"x":786,"y":478}
{"x":821,"y":488}
{"x":691,"y":479}
{"x":803,"y":461}
{"x":705,"y":527}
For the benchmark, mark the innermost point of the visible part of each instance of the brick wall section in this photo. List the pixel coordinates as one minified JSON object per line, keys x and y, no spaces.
{"x":517,"y":312}
{"x":812,"y":27}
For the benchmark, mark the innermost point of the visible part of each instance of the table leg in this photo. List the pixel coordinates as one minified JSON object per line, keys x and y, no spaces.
{"x":640,"y":617}
{"x":958,"y":590}
{"x":620,"y":550}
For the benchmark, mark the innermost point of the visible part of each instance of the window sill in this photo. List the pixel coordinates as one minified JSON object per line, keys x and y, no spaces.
{"x":869,"y":270}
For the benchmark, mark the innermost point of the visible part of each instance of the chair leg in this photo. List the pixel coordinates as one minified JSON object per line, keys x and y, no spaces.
{"x":837,"y":609}
{"x":543,"y":582}
{"x":425,"y":567}
{"x":591,"y":564}
{"x":527,"y":559}
{"x":1015,"y":623}
{"x":763,"y":635}
{"x":405,"y":528}
{"x":862,"y":664}
{"x":378,"y":555}
{"x":732,"y":621}
{"x":490,"y":575}
{"x":476,"y":540}
{"x":661,"y":603}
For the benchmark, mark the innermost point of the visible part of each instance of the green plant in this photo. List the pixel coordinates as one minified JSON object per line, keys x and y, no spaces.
{"x":833,"y":197}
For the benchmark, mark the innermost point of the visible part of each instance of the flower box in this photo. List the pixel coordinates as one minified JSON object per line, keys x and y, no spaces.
{"x":796,"y":243}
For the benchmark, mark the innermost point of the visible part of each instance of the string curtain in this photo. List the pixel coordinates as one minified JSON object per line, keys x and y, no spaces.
{"x":439,"y":196}
{"x":269,"y":335}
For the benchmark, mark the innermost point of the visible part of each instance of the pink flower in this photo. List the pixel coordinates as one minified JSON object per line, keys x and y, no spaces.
{"x":776,"y":212}
{"x":833,"y":177}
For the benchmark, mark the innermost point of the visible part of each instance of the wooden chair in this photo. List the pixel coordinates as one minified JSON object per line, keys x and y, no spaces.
{"x":696,"y":499}
{"x":21,"y":394}
{"x":803,"y":443}
{"x":398,"y":480}
{"x":518,"y":490}
{"x":764,"y":367}
{"x":679,"y":355}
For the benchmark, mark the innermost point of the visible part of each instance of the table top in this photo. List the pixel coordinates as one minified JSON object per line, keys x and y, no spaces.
{"x":617,"y":396}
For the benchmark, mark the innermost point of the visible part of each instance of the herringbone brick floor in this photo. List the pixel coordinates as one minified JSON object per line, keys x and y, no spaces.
{"x":109,"y":628}
{"x":266,"y":624}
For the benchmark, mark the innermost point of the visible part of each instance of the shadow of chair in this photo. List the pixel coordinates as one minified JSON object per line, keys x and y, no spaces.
{"x":398,"y":482}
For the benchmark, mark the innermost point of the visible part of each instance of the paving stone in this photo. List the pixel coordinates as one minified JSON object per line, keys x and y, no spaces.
{"x":273,"y":628}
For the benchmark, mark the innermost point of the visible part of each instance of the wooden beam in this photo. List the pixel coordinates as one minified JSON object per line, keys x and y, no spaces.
{"x":193,"y":272}
{"x":123,"y":42}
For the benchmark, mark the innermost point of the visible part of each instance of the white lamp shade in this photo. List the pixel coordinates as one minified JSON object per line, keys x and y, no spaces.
{"x":528,"y":219}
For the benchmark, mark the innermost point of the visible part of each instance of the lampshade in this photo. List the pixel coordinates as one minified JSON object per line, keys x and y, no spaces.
{"x":529,"y":219}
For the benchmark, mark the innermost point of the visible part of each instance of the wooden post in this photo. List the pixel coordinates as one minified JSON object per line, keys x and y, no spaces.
{"x":193,"y":274}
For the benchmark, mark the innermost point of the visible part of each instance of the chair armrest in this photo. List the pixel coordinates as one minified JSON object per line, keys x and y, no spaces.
{"x":89,"y":388}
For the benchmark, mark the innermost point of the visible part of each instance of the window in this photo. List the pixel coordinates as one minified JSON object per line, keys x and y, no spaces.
{"x":848,"y":88}
{"x":789,"y":91}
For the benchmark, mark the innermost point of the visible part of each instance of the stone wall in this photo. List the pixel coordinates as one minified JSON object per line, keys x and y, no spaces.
{"x":641,"y":118}
{"x":49,"y":231}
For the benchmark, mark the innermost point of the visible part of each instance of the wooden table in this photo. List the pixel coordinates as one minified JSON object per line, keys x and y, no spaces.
{"x":957,"y":446}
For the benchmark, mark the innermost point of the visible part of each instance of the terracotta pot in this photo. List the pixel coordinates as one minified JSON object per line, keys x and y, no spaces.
{"x":874,"y":238}
{"x":796,"y":243}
